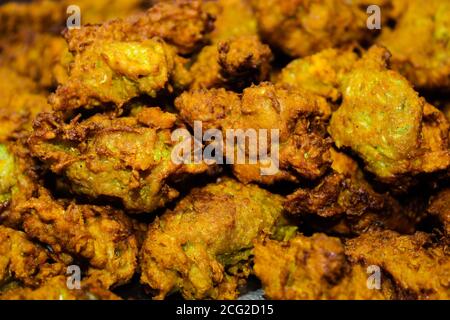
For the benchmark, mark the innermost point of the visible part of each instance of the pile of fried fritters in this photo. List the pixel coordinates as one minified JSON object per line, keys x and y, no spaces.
{"x":360,"y":206}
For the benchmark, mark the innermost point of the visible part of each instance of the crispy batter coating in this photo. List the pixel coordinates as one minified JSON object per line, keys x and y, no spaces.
{"x":182,"y":24}
{"x":56,"y":289}
{"x":234,"y":63}
{"x":22,"y":260}
{"x":420,"y":44}
{"x":126,"y":158}
{"x":321,"y":73}
{"x":346,"y":196}
{"x":300,"y":28}
{"x":101,"y":235}
{"x":314,"y":267}
{"x":115,"y":72}
{"x":236,"y":58}
{"x":385,"y":122}
{"x":201,"y":248}
{"x":299,"y":116}
{"x":123,"y":59}
{"x":420,"y":268}
{"x":20,"y":102}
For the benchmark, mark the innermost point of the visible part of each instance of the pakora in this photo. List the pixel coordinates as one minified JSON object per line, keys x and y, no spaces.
{"x":202,"y":247}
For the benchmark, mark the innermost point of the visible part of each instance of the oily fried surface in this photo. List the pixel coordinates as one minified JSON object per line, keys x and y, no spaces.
{"x":109,"y":71}
{"x":103,"y":236}
{"x":384,"y":121}
{"x":299,"y":117}
{"x":113,"y":133}
{"x":306,"y":268}
{"x":125,"y":58}
{"x":128,"y":158}
{"x":420,"y":44}
{"x":22,"y":260}
{"x":419,"y":267}
{"x":201,"y":248}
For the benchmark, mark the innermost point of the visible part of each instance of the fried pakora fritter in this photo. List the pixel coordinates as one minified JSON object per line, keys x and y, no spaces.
{"x":104,"y":126}
{"x":235,"y":63}
{"x":127,"y":158}
{"x":420,"y":44}
{"x":103,"y":236}
{"x":181,"y":24}
{"x":22,"y":260}
{"x":115,"y":72}
{"x":123,"y":59}
{"x":321,"y":73}
{"x":315,"y":267}
{"x":299,"y":116}
{"x":236,"y":58}
{"x":202,"y":247}
{"x":56,"y":289}
{"x":385,"y":122}
{"x":419,"y":267}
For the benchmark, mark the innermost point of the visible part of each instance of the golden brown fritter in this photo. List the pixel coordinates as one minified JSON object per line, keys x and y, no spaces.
{"x":420,"y":44}
{"x":56,"y":289}
{"x":299,"y":116}
{"x":202,"y":247}
{"x":321,"y":73}
{"x":314,"y":267}
{"x":123,"y":59}
{"x":182,"y":24}
{"x":420,"y":268}
{"x":20,"y":102}
{"x":234,"y":63}
{"x":22,"y":260}
{"x":440,"y":207}
{"x":101,"y":235}
{"x":385,"y":122}
{"x":300,"y":28}
{"x":127,"y":159}
{"x":236,"y":58}
{"x":115,"y":72}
